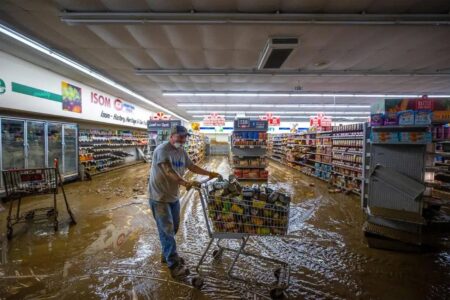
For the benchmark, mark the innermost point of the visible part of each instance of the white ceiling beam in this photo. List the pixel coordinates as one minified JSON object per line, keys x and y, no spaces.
{"x":85,"y":18}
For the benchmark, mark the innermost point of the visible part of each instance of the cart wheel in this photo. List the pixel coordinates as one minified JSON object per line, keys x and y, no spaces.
{"x":277,"y":273}
{"x":277,"y":293}
{"x":217,"y":253}
{"x":29,"y":216}
{"x":197,"y":282}
{"x":9,"y":233}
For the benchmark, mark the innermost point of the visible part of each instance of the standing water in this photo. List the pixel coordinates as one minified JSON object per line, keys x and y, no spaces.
{"x":113,"y":252}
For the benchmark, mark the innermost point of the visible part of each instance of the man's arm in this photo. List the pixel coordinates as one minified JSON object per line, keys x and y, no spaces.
{"x":170,"y":172}
{"x":197,"y":170}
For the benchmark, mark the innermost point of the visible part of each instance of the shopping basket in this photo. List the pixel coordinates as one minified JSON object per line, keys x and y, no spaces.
{"x":20,"y":183}
{"x":236,"y":218}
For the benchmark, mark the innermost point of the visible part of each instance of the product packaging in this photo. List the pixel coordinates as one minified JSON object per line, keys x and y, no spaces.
{"x":406,"y":117}
{"x":423,"y":117}
{"x":385,"y":137}
{"x":377,"y":119}
{"x":415,"y":137}
{"x":390,"y":118}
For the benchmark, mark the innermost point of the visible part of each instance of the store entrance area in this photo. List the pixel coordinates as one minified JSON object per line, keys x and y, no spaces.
{"x":113,"y":252}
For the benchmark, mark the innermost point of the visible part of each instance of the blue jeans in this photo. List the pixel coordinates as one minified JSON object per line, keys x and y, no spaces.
{"x":167,"y":217}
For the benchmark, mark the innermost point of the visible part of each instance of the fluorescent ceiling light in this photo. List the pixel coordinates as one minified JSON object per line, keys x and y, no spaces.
{"x":281,"y":112}
{"x":69,"y":62}
{"x":289,"y":117}
{"x":274,"y":105}
{"x":293,"y":94}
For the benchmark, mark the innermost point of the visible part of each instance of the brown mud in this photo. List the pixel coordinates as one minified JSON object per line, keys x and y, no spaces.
{"x":113,"y":251}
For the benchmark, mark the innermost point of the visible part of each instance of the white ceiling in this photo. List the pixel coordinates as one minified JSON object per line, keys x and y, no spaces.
{"x":117,"y":50}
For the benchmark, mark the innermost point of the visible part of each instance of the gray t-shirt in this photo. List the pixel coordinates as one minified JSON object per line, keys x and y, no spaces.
{"x":161,"y":187}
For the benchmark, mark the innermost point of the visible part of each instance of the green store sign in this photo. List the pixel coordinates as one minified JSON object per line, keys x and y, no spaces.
{"x":2,"y":87}
{"x":34,"y":92}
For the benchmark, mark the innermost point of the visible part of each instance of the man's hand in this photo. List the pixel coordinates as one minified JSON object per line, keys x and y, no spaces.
{"x":192,"y":184}
{"x":213,"y":175}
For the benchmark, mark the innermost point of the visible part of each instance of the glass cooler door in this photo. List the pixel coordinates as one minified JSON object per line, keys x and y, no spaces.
{"x":13,"y":144}
{"x":35,"y":145}
{"x":70,"y":150}
{"x":55,"y":146}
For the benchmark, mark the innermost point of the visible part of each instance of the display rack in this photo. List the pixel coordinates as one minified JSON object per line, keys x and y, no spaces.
{"x":396,"y":184}
{"x":101,"y":150}
{"x":159,"y":132}
{"x":347,"y":157}
{"x":196,"y":148}
{"x":249,"y":145}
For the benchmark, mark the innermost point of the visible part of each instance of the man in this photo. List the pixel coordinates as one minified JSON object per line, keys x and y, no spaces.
{"x":169,"y":163}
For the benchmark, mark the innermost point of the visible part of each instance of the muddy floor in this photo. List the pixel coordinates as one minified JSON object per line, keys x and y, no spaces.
{"x":113,"y":251}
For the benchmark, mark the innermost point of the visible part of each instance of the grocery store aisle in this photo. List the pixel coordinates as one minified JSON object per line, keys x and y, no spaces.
{"x":113,"y":252}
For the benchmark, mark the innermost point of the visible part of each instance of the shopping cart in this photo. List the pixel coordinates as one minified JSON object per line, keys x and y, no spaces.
{"x":20,"y":183}
{"x":228,"y":218}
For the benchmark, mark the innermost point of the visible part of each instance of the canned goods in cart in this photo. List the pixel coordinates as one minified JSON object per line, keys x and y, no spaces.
{"x":233,"y":212}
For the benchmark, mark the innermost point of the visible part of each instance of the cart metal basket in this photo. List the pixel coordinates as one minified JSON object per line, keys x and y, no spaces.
{"x":20,"y":183}
{"x":239,"y":219}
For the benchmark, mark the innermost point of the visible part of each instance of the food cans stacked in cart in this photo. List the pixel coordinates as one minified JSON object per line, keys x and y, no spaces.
{"x":256,"y":209}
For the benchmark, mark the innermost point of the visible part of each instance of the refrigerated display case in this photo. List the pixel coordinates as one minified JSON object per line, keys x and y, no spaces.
{"x":35,"y":144}
{"x":55,"y":144}
{"x":29,"y":143}
{"x":70,"y":149}
{"x":13,"y":144}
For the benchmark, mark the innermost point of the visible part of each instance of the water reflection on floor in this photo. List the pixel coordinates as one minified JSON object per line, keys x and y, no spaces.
{"x":113,"y":251}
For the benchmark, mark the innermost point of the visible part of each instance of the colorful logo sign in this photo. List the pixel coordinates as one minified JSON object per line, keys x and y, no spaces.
{"x":2,"y":87}
{"x":71,"y":97}
{"x":106,"y":101}
{"x":214,"y":120}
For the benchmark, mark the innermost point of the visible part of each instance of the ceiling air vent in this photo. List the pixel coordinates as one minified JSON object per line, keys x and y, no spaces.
{"x":276,"y":51}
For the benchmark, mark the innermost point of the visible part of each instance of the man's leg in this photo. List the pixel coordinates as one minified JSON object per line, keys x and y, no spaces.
{"x":164,"y":221}
{"x":175,"y":209}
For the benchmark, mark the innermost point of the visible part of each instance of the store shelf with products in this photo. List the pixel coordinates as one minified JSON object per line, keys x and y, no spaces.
{"x":196,"y":148}
{"x":249,"y":145}
{"x":319,"y":154}
{"x":347,"y":156}
{"x":439,"y":154}
{"x":101,"y":150}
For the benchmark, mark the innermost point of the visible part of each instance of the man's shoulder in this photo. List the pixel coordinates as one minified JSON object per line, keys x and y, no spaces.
{"x":161,"y":147}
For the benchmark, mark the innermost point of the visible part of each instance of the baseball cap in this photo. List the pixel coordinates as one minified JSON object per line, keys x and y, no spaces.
{"x":178,"y":129}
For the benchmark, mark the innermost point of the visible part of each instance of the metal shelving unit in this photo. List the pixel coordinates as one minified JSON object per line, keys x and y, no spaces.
{"x":394,"y":188}
{"x":249,"y":144}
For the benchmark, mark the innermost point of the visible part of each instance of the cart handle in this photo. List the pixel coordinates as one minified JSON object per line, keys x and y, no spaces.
{"x":203,"y":182}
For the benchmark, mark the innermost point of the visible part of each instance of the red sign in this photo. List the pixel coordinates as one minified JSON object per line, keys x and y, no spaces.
{"x":214,"y":120}
{"x":273,"y":121}
{"x":320,"y":121}
{"x":424,"y":104}
{"x":160,"y":116}
{"x":106,"y":101}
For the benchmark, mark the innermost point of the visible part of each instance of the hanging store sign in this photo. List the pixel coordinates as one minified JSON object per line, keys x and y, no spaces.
{"x":38,"y":90}
{"x":214,"y":120}
{"x":155,"y":125}
{"x":320,"y":121}
{"x":160,"y":116}
{"x":273,"y":121}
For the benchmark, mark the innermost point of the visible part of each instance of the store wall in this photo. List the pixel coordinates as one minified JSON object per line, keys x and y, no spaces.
{"x":32,"y":89}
